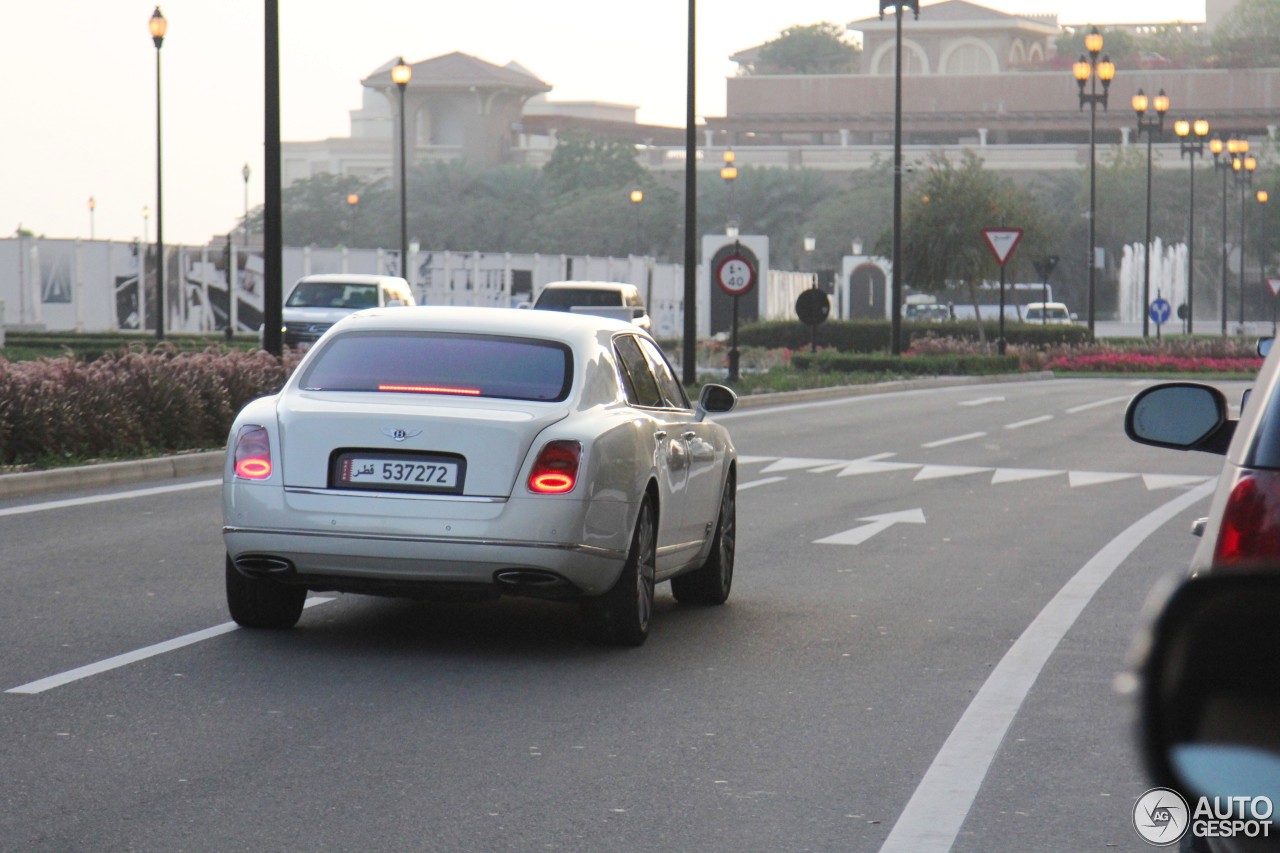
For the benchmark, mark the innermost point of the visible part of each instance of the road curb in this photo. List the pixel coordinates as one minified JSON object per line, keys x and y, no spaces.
{"x":29,"y":483}
{"x":111,"y":473}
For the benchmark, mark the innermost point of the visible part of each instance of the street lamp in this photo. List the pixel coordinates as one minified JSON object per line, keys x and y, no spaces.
{"x":1089,"y":69}
{"x":158,"y":27}
{"x":1243,"y":166}
{"x":1263,"y":198}
{"x":895,"y":314}
{"x":1226,"y":156}
{"x":637,"y":197}
{"x":244,"y":173}
{"x":93,"y":205}
{"x":400,"y":75}
{"x":1151,"y":127}
{"x":729,"y":173}
{"x":1190,"y":148}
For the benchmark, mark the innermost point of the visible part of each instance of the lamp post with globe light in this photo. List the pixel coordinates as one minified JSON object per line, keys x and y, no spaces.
{"x":1191,"y":148}
{"x":400,"y":75}
{"x":158,"y":26}
{"x":1090,"y":68}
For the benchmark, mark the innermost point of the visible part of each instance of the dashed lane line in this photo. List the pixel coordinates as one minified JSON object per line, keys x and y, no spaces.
{"x":127,"y":658}
{"x":955,"y":439}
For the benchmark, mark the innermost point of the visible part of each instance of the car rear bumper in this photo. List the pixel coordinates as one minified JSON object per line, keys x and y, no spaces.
{"x":556,"y":548}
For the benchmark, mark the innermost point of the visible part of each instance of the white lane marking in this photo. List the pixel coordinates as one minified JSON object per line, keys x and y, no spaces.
{"x":936,"y":811}
{"x":97,"y":499}
{"x":878,"y":524}
{"x":796,"y":463}
{"x":840,"y":466}
{"x":941,"y":472}
{"x":1029,"y":422}
{"x":1093,"y":478}
{"x":133,"y":657}
{"x":955,"y":439}
{"x":1095,"y":404}
{"x":981,"y":401}
{"x":766,"y":481}
{"x":1169,"y":481}
{"x":1014,"y":475}
{"x":750,"y":460}
{"x":872,"y":467}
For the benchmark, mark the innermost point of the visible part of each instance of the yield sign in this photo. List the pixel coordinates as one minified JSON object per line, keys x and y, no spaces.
{"x":1274,"y":284}
{"x":1002,"y":242}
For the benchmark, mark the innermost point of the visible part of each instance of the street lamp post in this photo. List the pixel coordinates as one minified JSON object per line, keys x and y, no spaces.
{"x":93,"y":205}
{"x":637,"y":198}
{"x":1089,"y":68}
{"x":1225,"y":157}
{"x":1191,"y":148}
{"x":158,"y":27}
{"x":1151,"y":127}
{"x":1244,"y":167}
{"x":400,"y":75}
{"x":1263,"y":197}
{"x":244,"y":173}
{"x":895,"y":317}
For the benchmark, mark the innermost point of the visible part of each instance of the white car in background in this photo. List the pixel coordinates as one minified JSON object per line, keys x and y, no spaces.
{"x":316,"y":302}
{"x":617,"y":300}
{"x":481,"y":451}
{"x":1048,"y":313}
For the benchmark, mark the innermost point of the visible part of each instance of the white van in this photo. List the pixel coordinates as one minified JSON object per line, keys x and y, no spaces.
{"x":614,"y":299}
{"x":316,"y":302}
{"x":1050,"y":313}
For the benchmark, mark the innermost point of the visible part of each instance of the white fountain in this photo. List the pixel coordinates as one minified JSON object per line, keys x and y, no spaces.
{"x":1168,"y":279}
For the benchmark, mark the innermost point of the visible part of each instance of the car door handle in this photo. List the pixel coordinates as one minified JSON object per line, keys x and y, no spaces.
{"x":660,"y":434}
{"x":689,"y":436}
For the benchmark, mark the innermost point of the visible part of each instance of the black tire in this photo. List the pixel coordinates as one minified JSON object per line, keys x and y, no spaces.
{"x":621,"y":616}
{"x":711,"y":582}
{"x":262,"y":603}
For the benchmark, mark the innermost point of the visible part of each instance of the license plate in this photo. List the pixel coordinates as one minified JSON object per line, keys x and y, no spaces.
{"x":398,"y":472}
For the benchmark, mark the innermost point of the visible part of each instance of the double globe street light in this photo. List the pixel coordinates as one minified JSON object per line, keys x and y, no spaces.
{"x":1191,"y":148}
{"x":1091,"y":67}
{"x":1232,"y":157}
{"x":1151,"y":127}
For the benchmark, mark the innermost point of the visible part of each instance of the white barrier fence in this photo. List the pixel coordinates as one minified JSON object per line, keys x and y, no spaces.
{"x":92,"y":286}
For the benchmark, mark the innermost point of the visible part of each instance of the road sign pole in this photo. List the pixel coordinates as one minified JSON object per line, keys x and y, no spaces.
{"x":733,"y":343}
{"x":1000,"y":345}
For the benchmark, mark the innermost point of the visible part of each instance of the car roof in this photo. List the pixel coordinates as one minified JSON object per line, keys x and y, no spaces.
{"x":597,"y":285}
{"x":554,"y":325}
{"x":353,"y":278}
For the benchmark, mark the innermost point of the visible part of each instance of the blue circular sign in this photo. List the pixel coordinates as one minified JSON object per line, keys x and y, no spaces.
{"x":1160,"y":312}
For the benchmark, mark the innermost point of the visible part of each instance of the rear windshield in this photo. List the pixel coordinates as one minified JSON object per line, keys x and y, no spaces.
{"x":317,"y":294}
{"x":1054,"y":314}
{"x":563,"y":298}
{"x":442,"y":363}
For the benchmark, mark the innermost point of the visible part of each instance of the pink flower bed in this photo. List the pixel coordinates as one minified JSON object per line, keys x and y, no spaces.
{"x":1133,"y":362}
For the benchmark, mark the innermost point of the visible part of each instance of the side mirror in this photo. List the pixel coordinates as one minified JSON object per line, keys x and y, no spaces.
{"x":1209,"y":670}
{"x":1180,"y":415}
{"x":716,"y":400}
{"x":1264,"y":346}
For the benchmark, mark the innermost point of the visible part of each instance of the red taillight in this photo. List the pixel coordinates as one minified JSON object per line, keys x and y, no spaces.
{"x":252,"y":453}
{"x":556,"y":469}
{"x":1250,"y":533}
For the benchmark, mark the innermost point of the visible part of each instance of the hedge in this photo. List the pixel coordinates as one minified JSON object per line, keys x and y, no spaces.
{"x":912,"y":365}
{"x":874,"y":335}
{"x":129,"y":403}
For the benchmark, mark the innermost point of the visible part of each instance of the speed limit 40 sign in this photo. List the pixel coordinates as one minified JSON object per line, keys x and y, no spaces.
{"x":735,"y":275}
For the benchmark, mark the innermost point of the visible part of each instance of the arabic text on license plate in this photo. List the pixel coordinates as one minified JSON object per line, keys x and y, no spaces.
{"x":433,"y":474}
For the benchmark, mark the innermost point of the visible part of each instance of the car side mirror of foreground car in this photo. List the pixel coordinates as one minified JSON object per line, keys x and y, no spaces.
{"x":1182,"y":416}
{"x":1209,"y":680}
{"x":716,"y":400}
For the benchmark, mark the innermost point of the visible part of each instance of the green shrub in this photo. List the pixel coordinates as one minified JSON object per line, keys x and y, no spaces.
{"x":128,"y":403}
{"x":921,"y":365}
{"x":874,"y":335}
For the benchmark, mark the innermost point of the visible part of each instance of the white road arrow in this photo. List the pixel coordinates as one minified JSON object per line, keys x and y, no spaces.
{"x":878,"y":524}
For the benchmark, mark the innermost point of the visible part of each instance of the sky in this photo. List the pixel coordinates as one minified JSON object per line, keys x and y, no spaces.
{"x":79,"y":90}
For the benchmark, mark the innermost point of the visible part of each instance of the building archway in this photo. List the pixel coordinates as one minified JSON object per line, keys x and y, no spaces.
{"x":915,"y":61}
{"x":968,"y":56}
